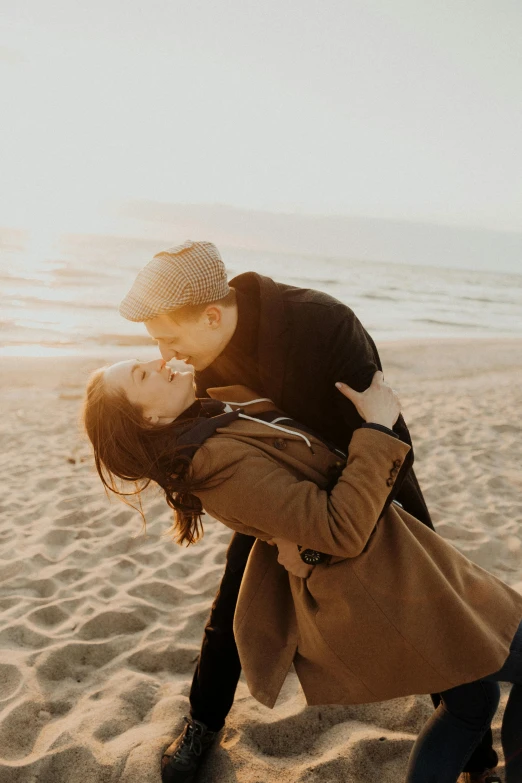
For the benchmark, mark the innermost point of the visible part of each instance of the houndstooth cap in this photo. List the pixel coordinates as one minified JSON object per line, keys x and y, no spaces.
{"x":188,"y":274}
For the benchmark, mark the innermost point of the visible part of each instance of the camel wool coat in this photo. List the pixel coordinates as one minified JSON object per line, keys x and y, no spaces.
{"x":396,"y":611}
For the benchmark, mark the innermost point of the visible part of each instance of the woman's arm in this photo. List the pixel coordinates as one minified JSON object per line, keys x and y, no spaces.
{"x":248,"y":488}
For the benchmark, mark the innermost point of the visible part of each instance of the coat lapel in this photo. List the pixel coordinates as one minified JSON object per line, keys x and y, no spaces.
{"x":272,"y":347}
{"x":272,"y":327}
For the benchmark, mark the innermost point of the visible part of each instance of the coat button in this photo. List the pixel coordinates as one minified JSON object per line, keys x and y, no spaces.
{"x":397,"y":463}
{"x":280,"y":443}
{"x":389,"y":482}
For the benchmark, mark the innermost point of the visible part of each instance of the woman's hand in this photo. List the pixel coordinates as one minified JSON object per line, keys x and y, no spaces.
{"x":379,"y":403}
{"x":290,"y":558}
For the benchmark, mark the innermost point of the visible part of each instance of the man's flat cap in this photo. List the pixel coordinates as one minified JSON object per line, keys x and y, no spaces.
{"x":189,"y":274}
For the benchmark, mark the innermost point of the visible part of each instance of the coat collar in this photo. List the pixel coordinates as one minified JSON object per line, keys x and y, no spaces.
{"x":272,"y":327}
{"x":238,"y":396}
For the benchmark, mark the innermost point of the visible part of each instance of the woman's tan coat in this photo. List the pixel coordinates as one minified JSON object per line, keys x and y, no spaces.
{"x":397,"y":611}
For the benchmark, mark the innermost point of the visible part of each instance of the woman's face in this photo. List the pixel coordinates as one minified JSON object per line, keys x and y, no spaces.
{"x":162,"y":393}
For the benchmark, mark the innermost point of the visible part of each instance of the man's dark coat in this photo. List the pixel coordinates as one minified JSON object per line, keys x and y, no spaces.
{"x":306,"y":341}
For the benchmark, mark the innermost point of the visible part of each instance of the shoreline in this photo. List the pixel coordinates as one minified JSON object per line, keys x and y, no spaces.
{"x":404,"y":361}
{"x":63,"y":351}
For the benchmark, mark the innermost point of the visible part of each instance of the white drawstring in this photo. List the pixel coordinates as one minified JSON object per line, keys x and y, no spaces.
{"x":268,"y":423}
{"x":252,"y":402}
{"x":276,"y":427}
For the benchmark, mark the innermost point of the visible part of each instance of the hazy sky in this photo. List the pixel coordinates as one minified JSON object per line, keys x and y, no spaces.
{"x":384,"y":108}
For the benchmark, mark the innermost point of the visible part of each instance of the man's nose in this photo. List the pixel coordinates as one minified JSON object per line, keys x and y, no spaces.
{"x":166,"y":352}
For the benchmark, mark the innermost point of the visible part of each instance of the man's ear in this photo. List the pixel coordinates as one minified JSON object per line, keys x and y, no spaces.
{"x":213,"y":317}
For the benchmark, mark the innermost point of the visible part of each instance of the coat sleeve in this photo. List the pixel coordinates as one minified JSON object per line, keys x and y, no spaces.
{"x":246,"y":489}
{"x":354,"y":360}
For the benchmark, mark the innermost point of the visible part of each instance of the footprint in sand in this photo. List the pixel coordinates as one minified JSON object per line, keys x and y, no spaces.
{"x":70,"y":575}
{"x":41,"y":561}
{"x":112,"y":727}
{"x":154,"y":559}
{"x":128,"y":710}
{"x":157,"y":592}
{"x":48,"y":616}
{"x":206,"y":583}
{"x":194,"y":624}
{"x":21,"y":635}
{"x":44,"y":588}
{"x":75,"y":661}
{"x":121,"y":518}
{"x":107,"y":624}
{"x":140,"y":692}
{"x":124,"y":570}
{"x":496,"y":483}
{"x":506,"y":428}
{"x":10,"y":680}
{"x":17,"y":729}
{"x":162,"y":657}
{"x":177,"y":569}
{"x":107,"y":592}
{"x":72,"y":518}
{"x":60,"y":537}
{"x":46,"y":484}
{"x":360,"y":759}
{"x":73,"y":763}
{"x":11,"y":570}
{"x":290,"y":736}
{"x":8,"y":603}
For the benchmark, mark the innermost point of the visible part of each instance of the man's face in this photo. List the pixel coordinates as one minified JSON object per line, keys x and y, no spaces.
{"x":197,"y":342}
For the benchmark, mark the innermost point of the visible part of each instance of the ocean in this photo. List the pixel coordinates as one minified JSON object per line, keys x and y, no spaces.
{"x":67,"y":303}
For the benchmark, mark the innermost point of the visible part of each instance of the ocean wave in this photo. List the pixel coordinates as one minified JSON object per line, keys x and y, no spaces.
{"x":122,"y":339}
{"x":379,"y":296}
{"x":306,"y":280}
{"x":485,"y":300}
{"x":83,"y":274}
{"x":5,"y":277}
{"x":46,"y":342}
{"x":458,"y":324}
{"x":65,"y":304}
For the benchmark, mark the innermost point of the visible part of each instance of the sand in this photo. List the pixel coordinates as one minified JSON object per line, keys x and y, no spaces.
{"x":100,"y":626}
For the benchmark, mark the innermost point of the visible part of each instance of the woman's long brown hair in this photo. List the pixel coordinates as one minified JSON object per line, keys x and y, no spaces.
{"x":128,"y":448}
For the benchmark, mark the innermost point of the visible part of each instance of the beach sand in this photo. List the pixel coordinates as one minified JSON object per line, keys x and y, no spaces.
{"x":100,"y":626}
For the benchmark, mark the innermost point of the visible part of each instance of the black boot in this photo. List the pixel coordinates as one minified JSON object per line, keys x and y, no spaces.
{"x":183,"y":757}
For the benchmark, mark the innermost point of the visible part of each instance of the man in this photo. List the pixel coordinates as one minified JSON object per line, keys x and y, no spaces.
{"x":288,"y":344}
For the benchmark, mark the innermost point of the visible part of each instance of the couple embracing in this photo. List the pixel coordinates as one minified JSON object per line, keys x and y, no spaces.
{"x":288,"y":434}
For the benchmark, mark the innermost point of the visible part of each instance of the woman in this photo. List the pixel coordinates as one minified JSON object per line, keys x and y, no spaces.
{"x":392,"y":610}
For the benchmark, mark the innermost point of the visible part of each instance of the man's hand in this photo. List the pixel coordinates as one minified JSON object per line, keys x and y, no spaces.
{"x":379,"y":403}
{"x":290,"y":558}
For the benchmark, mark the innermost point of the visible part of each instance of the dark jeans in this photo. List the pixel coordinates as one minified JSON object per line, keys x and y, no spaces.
{"x":452,"y":732}
{"x":217,"y":673}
